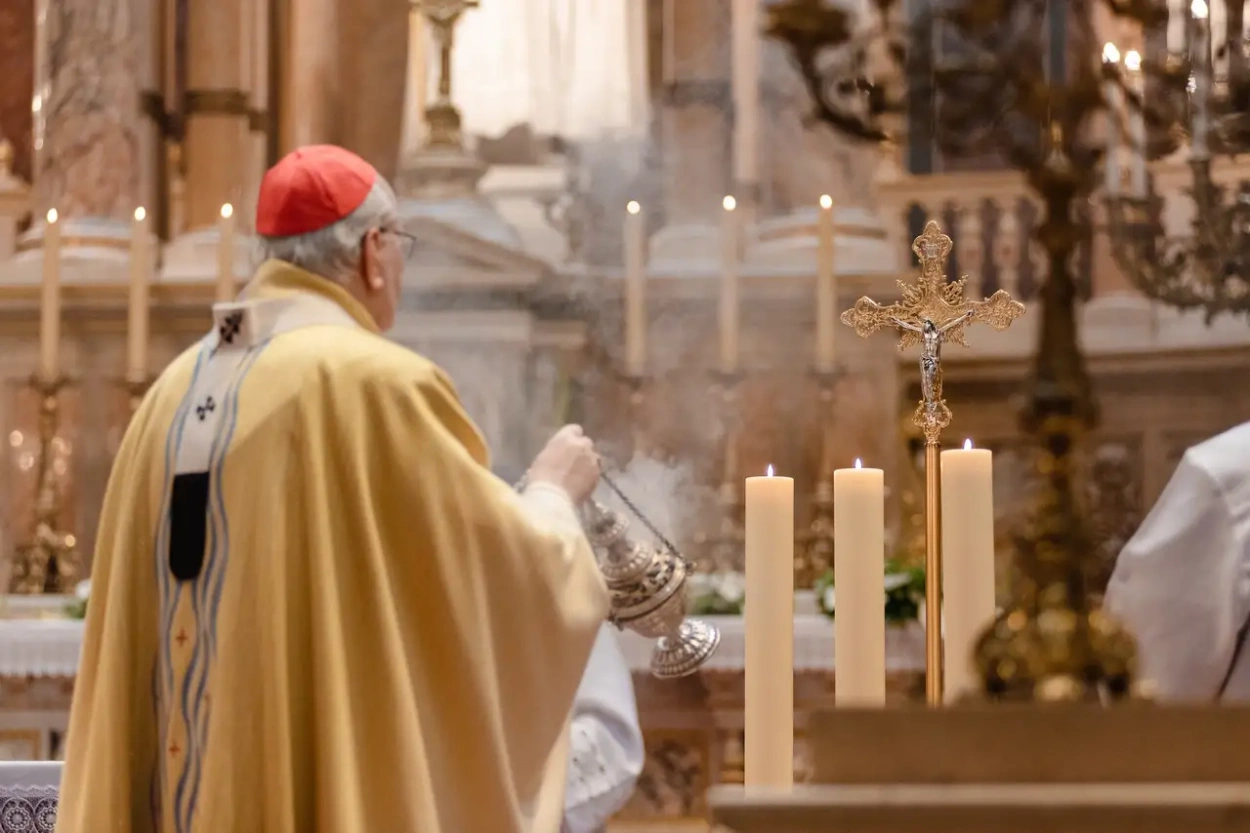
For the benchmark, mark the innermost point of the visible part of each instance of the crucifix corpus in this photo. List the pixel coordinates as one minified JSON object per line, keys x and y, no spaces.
{"x":931,"y":312}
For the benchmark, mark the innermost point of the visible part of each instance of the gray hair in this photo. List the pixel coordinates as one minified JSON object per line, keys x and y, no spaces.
{"x":334,"y":251}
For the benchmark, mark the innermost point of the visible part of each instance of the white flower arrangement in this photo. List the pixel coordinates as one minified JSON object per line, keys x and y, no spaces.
{"x":904,"y":593}
{"x":717,"y":594}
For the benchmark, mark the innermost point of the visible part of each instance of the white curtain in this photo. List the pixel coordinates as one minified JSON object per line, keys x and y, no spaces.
{"x":573,"y":68}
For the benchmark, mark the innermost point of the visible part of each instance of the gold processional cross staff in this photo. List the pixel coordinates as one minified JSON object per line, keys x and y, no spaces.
{"x":930,"y":312}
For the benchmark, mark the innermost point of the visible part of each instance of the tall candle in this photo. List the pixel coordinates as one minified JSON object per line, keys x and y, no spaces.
{"x":635,"y":291}
{"x":1114,"y":101}
{"x":1137,"y":123}
{"x":769,"y":615}
{"x":745,"y":64}
{"x":140,"y":277}
{"x":1201,"y":57}
{"x":729,"y":301}
{"x":826,"y":287}
{"x":50,"y":300}
{"x":225,"y":254}
{"x":859,"y":586}
{"x":968,"y":558}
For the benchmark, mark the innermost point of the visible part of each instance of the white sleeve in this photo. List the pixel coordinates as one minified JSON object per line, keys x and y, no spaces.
{"x":606,"y":752}
{"x":1179,"y":587}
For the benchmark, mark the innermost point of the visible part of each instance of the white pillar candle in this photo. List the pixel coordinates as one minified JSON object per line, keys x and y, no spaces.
{"x":967,"y":559}
{"x":140,"y":279}
{"x":1115,"y":105}
{"x":226,"y":288}
{"x":826,"y":287}
{"x":50,"y":301}
{"x":729,"y":301}
{"x":635,"y":290}
{"x":769,"y":620}
{"x":745,"y":75}
{"x":859,"y":586}
{"x":1137,"y":123}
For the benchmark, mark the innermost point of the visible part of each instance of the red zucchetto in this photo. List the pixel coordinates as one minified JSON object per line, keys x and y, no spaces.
{"x":311,"y":188}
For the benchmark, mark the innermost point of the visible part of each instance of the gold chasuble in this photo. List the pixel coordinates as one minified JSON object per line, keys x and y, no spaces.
{"x":314,"y":609}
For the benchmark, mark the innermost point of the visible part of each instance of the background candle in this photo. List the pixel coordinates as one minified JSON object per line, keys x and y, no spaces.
{"x":826,"y":287}
{"x":140,"y":271}
{"x":225,"y":254}
{"x":729,"y":303}
{"x":635,"y":291}
{"x":769,"y":614}
{"x":967,"y":559}
{"x":859,"y":586}
{"x":50,"y":301}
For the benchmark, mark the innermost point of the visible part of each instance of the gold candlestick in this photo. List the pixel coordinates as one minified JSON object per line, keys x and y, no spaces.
{"x":727,"y":541}
{"x":931,"y":312}
{"x":48,"y":562}
{"x":136,"y":387}
{"x":817,"y":539}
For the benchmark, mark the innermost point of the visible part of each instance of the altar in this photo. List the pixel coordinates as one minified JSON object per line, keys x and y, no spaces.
{"x":692,"y":726}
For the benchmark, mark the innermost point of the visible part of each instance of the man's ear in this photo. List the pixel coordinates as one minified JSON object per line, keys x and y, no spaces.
{"x":369,"y":267}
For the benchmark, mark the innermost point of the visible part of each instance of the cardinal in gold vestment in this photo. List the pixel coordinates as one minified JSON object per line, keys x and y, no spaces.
{"x":314,"y":608}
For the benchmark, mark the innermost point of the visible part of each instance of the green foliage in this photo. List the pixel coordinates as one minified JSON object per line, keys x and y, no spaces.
{"x":904,"y":592}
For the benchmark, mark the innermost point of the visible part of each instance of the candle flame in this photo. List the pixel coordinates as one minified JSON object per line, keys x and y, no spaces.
{"x":227,"y":211}
{"x":967,"y":444}
{"x":1199,"y":9}
{"x":730,"y":203}
{"x":1110,"y":54}
{"x":770,"y":469}
{"x":1132,"y":61}
{"x":140,"y":213}
{"x":859,"y":464}
{"x":826,"y":201}
{"x":633,"y":207}
{"x":51,"y":216}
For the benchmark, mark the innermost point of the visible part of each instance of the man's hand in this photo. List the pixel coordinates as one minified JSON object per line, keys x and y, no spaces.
{"x":570,"y":462}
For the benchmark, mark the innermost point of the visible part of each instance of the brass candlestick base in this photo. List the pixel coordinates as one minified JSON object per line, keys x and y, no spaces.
{"x":648,"y":587}
{"x":136,"y":387}
{"x":49,"y":561}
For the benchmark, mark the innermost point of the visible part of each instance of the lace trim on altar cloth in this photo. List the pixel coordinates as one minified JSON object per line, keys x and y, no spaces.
{"x":28,"y":809}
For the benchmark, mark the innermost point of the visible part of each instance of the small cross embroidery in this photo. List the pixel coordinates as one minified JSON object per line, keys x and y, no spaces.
{"x":230,"y":326}
{"x":174,"y":749}
{"x":181,"y":638}
{"x":202,"y":411}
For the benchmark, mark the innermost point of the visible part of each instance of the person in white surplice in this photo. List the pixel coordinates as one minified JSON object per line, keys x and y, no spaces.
{"x":606,"y":754}
{"x":1182,"y":583}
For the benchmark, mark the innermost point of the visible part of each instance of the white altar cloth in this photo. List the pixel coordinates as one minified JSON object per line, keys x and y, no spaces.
{"x":40,"y":647}
{"x":28,"y":799}
{"x":50,"y":647}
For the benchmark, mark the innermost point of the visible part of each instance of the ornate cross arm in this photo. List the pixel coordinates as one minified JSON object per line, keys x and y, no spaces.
{"x":932,"y":311}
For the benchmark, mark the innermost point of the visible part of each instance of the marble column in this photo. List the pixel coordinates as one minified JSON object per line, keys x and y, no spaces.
{"x":217,"y":102}
{"x":311,"y":77}
{"x":92,"y":59}
{"x":696,"y":114}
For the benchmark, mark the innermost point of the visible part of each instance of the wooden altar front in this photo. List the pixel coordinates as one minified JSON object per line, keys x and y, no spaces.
{"x":1029,"y":769}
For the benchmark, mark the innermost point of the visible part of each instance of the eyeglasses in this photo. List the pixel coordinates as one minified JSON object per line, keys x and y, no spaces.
{"x":408,"y":241}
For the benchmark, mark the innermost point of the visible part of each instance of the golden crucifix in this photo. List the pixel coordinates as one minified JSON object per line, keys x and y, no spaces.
{"x":442,"y":116}
{"x":931,"y":312}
